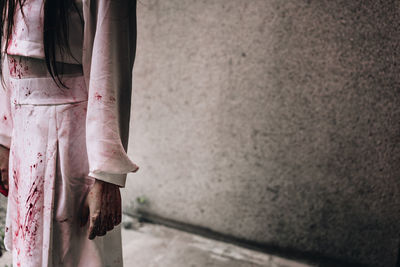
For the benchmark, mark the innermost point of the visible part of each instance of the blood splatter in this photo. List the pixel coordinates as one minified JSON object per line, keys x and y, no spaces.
{"x":97,"y":96}
{"x":39,"y":155}
{"x":30,"y":223}
{"x":12,"y":66}
{"x":17,"y":69}
{"x":15,"y":178}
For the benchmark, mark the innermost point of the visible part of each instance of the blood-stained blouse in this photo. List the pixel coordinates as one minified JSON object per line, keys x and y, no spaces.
{"x":105,"y":46}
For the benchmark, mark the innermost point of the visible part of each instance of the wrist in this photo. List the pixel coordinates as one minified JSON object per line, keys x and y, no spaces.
{"x":104,"y":183}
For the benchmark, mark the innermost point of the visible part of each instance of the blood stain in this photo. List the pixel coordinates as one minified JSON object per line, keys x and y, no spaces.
{"x":97,"y":96}
{"x":15,"y":178}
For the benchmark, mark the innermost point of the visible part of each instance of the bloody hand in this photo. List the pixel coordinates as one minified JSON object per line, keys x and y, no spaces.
{"x":102,"y":208}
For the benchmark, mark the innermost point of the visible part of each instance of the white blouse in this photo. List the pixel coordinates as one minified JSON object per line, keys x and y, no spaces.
{"x":27,"y":35}
{"x":106,"y":49}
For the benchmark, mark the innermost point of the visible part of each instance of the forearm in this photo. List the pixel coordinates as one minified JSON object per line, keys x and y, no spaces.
{"x":109,"y":65}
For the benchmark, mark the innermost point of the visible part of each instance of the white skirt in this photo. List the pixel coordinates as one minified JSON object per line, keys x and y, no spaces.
{"x":48,"y":179}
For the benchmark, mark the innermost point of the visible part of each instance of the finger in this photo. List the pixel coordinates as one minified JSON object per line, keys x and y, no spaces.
{"x":111,"y":210}
{"x":114,"y":206}
{"x":94,"y":229}
{"x":109,"y":199}
{"x":118,"y":207}
{"x":105,"y":210}
{"x":102,"y":228}
{"x":110,"y":221}
{"x":102,"y":233}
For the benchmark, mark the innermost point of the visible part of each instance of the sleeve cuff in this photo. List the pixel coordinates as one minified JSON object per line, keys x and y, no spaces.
{"x":118,"y":179}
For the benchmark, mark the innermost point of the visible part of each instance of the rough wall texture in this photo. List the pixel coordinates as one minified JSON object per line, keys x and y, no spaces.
{"x":275,"y":121}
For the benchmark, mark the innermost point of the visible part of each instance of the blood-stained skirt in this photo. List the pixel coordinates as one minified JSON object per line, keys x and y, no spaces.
{"x":48,"y":179}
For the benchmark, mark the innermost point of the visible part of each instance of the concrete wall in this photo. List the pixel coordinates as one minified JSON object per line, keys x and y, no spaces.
{"x":275,"y":121}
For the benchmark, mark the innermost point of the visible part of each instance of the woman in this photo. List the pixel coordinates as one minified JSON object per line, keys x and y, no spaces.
{"x":64,"y":112}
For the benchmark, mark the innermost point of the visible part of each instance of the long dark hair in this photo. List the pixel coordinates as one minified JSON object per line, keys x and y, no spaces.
{"x":55,"y":32}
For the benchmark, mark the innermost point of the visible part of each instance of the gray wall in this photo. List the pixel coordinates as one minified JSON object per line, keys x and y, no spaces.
{"x":275,"y":121}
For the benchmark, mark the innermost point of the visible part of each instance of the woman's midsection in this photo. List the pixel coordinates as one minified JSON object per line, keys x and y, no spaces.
{"x":31,"y":84}
{"x":27,"y":67}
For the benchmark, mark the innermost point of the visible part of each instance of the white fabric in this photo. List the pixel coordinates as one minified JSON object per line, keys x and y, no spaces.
{"x":26,"y":39}
{"x":108,"y":35}
{"x":59,"y":143}
{"x":48,"y":180}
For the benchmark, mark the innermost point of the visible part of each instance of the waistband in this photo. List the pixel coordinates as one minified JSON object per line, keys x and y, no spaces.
{"x":31,"y":83}
{"x":44,"y":91}
{"x":22,"y":67}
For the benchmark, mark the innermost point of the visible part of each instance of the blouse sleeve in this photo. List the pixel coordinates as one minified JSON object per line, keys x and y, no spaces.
{"x":112,"y":23}
{"x":6,"y":124}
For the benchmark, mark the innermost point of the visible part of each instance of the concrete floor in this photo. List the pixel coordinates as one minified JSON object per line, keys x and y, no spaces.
{"x":153,"y":245}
